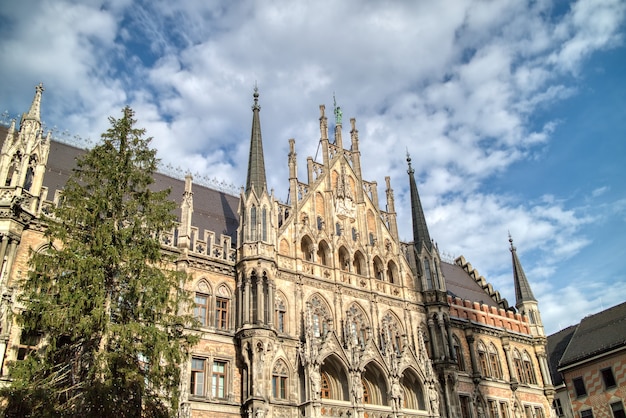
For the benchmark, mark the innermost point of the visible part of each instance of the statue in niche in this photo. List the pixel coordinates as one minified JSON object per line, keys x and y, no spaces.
{"x":316,"y":382}
{"x":344,"y":203}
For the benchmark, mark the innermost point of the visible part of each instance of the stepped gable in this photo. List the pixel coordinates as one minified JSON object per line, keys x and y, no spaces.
{"x":597,"y":334}
{"x":214,"y":210}
{"x":464,"y":282}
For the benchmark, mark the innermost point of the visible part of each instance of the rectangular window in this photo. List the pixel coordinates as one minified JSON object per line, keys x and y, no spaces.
{"x":618,"y":410}
{"x":218,"y":379}
{"x":587,"y":413}
{"x":609,"y":379}
{"x":495,"y":365}
{"x":579,"y":387}
{"x":558,"y":408}
{"x":465,"y":406}
{"x":197,"y":376}
{"x":221,"y":313}
{"x":28,"y":343}
{"x":279,"y":387}
{"x":482,"y":359}
{"x":538,"y":412}
{"x":493,"y":409}
{"x":201,"y":309}
{"x":504,"y":410}
{"x":528,"y":411}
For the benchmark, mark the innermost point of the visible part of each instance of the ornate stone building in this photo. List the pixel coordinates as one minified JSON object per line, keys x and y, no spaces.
{"x":312,"y":307}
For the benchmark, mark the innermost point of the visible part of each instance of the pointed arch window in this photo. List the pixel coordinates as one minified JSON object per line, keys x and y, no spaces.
{"x":264,"y":224}
{"x":367,"y":397}
{"x":429,"y":278}
{"x":306,"y":246}
{"x":519,"y":368}
{"x":320,"y":223}
{"x":357,"y":332}
{"x":378,"y":269}
{"x":323,"y":253}
{"x":253,"y":223}
{"x":338,"y":229}
{"x":222,"y":308}
{"x":391,"y":334}
{"x":280,"y":314}
{"x":529,"y":370}
{"x":359,"y":263}
{"x":320,"y":317}
{"x":494,"y":362}
{"x":202,"y":302}
{"x":458,"y":352}
{"x":354,"y":234}
{"x":280,"y":374}
{"x":326,"y":390}
{"x":344,"y":259}
{"x":483,"y":361}
{"x":392,"y":272}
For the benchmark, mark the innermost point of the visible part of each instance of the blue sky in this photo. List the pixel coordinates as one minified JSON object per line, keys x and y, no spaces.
{"x":513,"y":111}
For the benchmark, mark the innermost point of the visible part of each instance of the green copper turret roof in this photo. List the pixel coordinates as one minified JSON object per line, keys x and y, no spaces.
{"x":523,"y":293}
{"x":256,"y":163}
{"x":421,"y":237}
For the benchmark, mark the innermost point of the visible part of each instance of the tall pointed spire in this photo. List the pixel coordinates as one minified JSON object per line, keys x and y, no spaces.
{"x":256,"y":163}
{"x":421,"y":237}
{"x":523,"y":293}
{"x":34,"y":113}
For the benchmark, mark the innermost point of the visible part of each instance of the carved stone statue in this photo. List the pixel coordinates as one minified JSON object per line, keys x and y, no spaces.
{"x":433,"y":397}
{"x":357,"y":388}
{"x":397,"y":394}
{"x":316,"y":383}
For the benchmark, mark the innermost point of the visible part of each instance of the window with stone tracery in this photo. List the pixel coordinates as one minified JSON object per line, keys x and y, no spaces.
{"x":357,"y":327}
{"x":494,"y":362}
{"x":391,"y":333}
{"x":280,"y":374}
{"x":280,"y":313}
{"x":320,"y":316}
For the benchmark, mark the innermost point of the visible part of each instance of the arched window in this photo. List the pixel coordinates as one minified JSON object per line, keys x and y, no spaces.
{"x":378,"y":269}
{"x":494,"y":362}
{"x":344,"y":259}
{"x":323,"y":253}
{"x":529,"y":370}
{"x":222,"y":308}
{"x":280,"y":314}
{"x":253,"y":223}
{"x":326,"y":392}
{"x":483,"y":360}
{"x":519,"y":368}
{"x":306,"y":246}
{"x":429,"y":279}
{"x":320,"y":223}
{"x":391,"y":333}
{"x":392,"y":272}
{"x":359,"y":263}
{"x":280,"y":374}
{"x":319,"y":316}
{"x":458,"y":352}
{"x":202,"y":299}
{"x":264,"y":224}
{"x":413,"y":390}
{"x":357,"y":332}
{"x":354,"y":234}
{"x":338,"y":229}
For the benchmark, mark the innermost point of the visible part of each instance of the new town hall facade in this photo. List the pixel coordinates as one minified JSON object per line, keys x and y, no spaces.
{"x":310,"y":308}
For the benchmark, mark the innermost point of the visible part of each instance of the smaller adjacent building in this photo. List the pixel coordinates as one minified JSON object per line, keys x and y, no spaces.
{"x":588,"y":366}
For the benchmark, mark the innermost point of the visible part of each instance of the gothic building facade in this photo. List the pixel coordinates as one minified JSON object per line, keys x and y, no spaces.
{"x":312,"y":307}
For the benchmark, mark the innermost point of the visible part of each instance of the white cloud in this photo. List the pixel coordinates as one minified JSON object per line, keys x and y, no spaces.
{"x":455,"y":83}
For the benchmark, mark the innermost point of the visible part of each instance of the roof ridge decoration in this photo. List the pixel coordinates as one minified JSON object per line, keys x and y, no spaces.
{"x":481,"y":281}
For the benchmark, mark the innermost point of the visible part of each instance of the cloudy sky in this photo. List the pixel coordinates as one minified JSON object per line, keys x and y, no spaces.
{"x":514,"y":112}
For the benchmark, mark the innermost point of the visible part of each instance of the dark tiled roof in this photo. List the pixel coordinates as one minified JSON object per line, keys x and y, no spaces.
{"x":597,"y":334}
{"x":460,"y":284}
{"x":213,"y":210}
{"x":557,"y":343}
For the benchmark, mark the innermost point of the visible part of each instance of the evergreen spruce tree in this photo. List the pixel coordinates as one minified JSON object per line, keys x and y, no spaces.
{"x":104,"y":298}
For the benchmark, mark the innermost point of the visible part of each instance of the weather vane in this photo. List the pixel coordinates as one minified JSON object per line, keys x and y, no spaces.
{"x":338,"y":112}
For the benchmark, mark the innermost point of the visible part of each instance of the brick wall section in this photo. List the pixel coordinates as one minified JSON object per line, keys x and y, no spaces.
{"x":488,"y":315}
{"x":598,"y":398}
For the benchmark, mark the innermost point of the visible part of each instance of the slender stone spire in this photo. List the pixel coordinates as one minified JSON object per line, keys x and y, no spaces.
{"x":34,"y":113}
{"x":256,"y":163}
{"x":523,"y":293}
{"x":421,"y":237}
